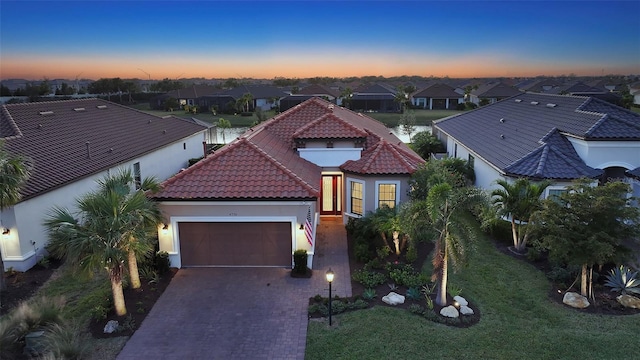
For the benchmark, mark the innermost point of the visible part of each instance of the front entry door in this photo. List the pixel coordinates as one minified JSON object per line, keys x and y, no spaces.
{"x":331,"y":195}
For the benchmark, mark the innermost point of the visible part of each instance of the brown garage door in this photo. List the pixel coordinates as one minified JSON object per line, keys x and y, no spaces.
{"x":235,"y":243}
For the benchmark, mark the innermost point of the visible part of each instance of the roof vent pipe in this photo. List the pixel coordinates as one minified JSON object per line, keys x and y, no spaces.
{"x":88,"y":143}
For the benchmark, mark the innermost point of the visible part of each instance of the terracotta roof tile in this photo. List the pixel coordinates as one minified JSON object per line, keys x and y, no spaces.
{"x":384,"y":158}
{"x":329,"y":126}
{"x":264,"y":164}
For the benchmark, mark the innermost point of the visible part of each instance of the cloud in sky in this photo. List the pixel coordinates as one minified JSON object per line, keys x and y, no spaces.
{"x":302,"y":39}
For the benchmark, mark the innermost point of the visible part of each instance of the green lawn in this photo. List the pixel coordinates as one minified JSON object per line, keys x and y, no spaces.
{"x":518,"y":322}
{"x":423,"y":117}
{"x":635,"y":109}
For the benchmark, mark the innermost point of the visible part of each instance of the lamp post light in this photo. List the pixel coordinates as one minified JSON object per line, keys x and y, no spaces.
{"x":329,"y":276}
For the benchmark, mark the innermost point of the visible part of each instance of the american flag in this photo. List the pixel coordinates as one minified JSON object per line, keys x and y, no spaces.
{"x":308,"y":231}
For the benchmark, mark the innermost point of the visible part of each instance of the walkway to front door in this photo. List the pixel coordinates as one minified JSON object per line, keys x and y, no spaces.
{"x":240,"y":313}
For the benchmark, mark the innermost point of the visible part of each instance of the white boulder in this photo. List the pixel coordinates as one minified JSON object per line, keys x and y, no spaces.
{"x":465,"y":310}
{"x":111,"y":327}
{"x":460,"y":300}
{"x":393,"y":298}
{"x":450,"y":311}
{"x":575,"y":300}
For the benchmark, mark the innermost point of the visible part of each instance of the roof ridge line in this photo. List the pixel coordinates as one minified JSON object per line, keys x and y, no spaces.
{"x":397,"y":154}
{"x":374,"y":152}
{"x":12,"y":123}
{"x":286,"y":170}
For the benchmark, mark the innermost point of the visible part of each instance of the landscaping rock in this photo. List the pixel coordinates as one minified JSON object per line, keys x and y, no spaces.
{"x":629,"y":301}
{"x":465,"y":310}
{"x":462,"y":301}
{"x":111,"y":327}
{"x":450,"y":311}
{"x":575,"y":300}
{"x":393,"y":299}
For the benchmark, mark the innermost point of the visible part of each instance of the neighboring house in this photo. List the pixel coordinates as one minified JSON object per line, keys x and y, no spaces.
{"x":73,"y":143}
{"x":374,"y":98}
{"x":264,"y":96}
{"x":540,"y":136}
{"x":290,"y":101}
{"x":491,"y":93}
{"x":634,"y":90}
{"x":187,"y":96}
{"x":321,"y":91}
{"x":437,"y":97}
{"x":247,"y":204}
{"x":541,"y":86}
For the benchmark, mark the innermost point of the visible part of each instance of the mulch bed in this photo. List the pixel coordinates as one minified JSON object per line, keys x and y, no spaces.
{"x":424,"y":250}
{"x":138,"y":302}
{"x":22,"y":285}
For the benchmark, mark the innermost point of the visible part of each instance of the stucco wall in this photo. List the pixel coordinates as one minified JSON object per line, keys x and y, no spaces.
{"x":370,"y":191}
{"x":28,"y":235}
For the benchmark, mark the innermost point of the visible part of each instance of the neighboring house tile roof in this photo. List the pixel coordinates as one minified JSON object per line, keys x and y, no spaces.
{"x":72,"y":139}
{"x":193,"y":92}
{"x":580,"y":87}
{"x":517,"y":133}
{"x":495,"y":90}
{"x":437,"y":91}
{"x":376,"y":89}
{"x":264,"y":164}
{"x":318,"y":90}
{"x":257,"y":91}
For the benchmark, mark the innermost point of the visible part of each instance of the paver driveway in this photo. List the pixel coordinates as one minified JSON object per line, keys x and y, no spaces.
{"x":240,"y":313}
{"x":225,"y":313}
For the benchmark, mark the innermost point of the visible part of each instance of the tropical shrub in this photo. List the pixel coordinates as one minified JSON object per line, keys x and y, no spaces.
{"x":623,"y":280}
{"x":369,"y":279}
{"x":414,"y":293}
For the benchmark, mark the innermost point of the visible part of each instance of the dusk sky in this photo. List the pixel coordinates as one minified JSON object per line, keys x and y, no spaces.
{"x":267,"y":39}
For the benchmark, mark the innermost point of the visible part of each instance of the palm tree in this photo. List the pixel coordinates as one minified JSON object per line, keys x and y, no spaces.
{"x":518,"y":201}
{"x":112,"y":226}
{"x":14,"y":173}
{"x":446,"y":209}
{"x":387,"y":220}
{"x":139,"y":216}
{"x":223,"y":124}
{"x":92,"y":240}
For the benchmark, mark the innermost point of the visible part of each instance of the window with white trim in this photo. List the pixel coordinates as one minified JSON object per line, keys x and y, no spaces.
{"x":554,"y":192}
{"x":355,"y":197}
{"x":387,"y":193}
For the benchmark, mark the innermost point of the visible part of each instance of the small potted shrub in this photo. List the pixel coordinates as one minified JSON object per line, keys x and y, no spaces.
{"x":300,"y":268}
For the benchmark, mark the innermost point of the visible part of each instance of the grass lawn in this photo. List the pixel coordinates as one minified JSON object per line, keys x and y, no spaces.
{"x":423,"y":117}
{"x":518,"y":321}
{"x":635,"y":109}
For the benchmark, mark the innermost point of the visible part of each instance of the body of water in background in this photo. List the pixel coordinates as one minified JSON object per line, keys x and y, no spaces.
{"x":232,"y":133}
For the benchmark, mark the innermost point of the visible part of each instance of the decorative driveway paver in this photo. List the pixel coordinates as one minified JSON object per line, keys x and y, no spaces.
{"x":239,"y":313}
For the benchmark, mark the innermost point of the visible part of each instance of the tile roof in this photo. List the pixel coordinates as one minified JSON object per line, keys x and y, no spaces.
{"x":513,"y":134}
{"x":634,"y":173}
{"x":329,"y":126}
{"x":384,"y":159}
{"x":263,"y":163}
{"x":72,"y":139}
{"x":317,"y":89}
{"x":257,"y":91}
{"x":193,"y":92}
{"x":437,"y":91}
{"x":495,"y":90}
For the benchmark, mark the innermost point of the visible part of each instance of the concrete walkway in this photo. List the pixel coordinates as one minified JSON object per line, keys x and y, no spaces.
{"x":240,"y":313}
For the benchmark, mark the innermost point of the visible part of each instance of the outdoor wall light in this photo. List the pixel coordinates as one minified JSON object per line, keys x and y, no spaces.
{"x":301,"y":226}
{"x":6,"y":232}
{"x":329,"y":276}
{"x":165,"y":227}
